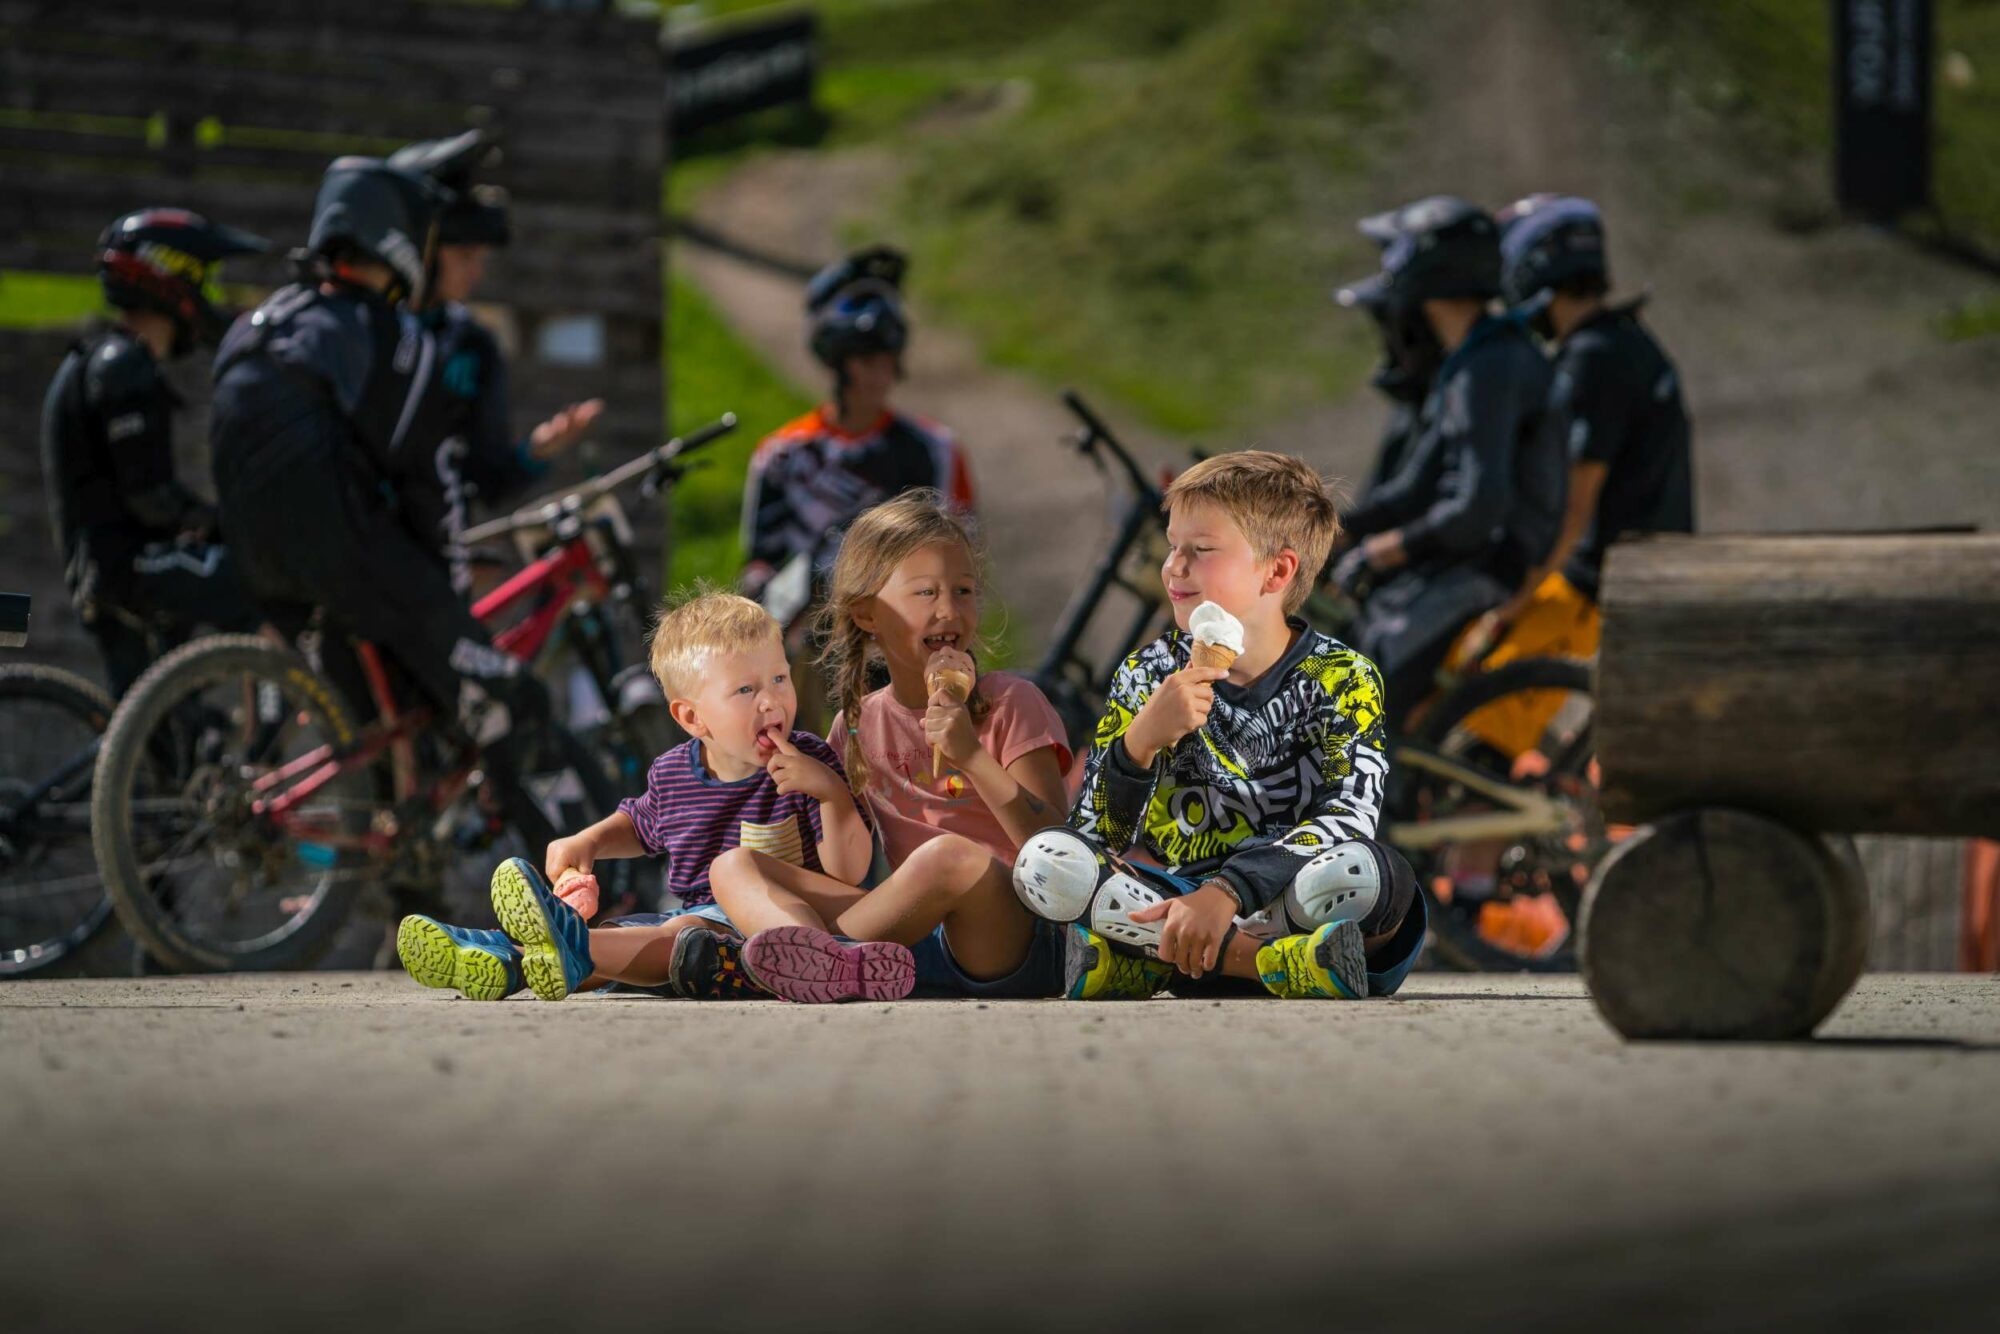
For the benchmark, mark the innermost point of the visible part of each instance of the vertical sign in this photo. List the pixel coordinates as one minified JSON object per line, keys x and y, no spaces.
{"x":1882,"y":105}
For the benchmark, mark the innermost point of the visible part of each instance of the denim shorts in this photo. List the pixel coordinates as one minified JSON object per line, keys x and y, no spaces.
{"x":1040,"y":974}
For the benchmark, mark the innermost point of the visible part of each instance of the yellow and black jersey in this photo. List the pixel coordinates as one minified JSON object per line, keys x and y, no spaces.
{"x":1285,"y":768}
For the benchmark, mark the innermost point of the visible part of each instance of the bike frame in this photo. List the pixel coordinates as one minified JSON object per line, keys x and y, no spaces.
{"x":553,"y":582}
{"x":566,"y":577}
{"x":1139,"y":513}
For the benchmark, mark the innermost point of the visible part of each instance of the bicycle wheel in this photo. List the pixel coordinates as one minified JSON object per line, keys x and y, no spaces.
{"x":52,"y":900}
{"x":229,"y":836}
{"x":1503,"y":899}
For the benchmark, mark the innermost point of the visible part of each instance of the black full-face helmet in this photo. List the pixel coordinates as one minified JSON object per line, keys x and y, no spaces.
{"x":1548,"y":241}
{"x":477,"y":214}
{"x":1435,"y":249}
{"x":856,"y":306}
{"x":159,"y":259}
{"x":368,"y":207}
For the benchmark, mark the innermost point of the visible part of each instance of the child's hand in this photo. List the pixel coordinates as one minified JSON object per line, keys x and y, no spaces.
{"x":567,"y":864}
{"x":575,"y":853}
{"x":795,"y":771}
{"x":948,"y":727}
{"x":1196,"y":923}
{"x":1178,"y":707}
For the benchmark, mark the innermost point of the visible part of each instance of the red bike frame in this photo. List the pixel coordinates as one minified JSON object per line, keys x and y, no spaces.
{"x":553,"y":582}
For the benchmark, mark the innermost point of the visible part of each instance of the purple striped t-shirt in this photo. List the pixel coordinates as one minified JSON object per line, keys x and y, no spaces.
{"x":691,"y":817}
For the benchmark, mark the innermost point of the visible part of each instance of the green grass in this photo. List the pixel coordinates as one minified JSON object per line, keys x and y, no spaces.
{"x":1154,"y":222}
{"x":1156,"y":210}
{"x":1763,"y":64}
{"x":47,"y":300}
{"x":713,"y":372}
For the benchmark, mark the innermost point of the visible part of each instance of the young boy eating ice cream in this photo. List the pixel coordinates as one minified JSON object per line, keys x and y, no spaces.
{"x":1243,"y":752}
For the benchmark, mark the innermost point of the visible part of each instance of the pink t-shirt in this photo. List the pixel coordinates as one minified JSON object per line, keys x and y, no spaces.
{"x":911,"y":805}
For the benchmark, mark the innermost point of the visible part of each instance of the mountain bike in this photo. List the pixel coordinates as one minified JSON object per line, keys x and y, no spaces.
{"x":52,"y":901}
{"x":1502,"y":844}
{"x":240,"y":803}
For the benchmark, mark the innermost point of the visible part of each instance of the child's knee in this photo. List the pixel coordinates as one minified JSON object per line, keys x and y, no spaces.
{"x":736,"y":866}
{"x":1360,"y":881}
{"x":950,"y":862}
{"x":1057,"y":873}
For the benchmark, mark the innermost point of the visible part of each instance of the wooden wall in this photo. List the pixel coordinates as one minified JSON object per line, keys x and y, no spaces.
{"x":233,"y":108}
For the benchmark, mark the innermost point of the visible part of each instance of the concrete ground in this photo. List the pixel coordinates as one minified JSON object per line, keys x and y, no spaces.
{"x":348,"y":1151}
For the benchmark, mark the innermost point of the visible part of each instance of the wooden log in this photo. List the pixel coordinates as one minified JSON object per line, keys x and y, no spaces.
{"x":1717,"y":924}
{"x":1836,"y":683}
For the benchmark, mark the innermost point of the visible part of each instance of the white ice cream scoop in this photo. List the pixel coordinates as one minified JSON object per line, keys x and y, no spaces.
{"x":1210,"y":624}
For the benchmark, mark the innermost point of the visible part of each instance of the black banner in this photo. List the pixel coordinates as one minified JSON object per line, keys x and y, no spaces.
{"x":1882,"y":105}
{"x":716,"y":77}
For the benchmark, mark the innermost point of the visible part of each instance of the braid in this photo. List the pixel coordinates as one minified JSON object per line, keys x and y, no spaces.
{"x":846,"y":660}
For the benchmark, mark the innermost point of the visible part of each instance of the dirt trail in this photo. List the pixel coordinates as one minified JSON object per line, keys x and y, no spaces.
{"x":1822,"y":396}
{"x":1042,"y":508}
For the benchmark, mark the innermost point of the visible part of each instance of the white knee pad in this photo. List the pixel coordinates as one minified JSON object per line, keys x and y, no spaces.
{"x":1061,"y":875}
{"x":1340,"y":885}
{"x":1057,"y":873}
{"x":1111,"y":913}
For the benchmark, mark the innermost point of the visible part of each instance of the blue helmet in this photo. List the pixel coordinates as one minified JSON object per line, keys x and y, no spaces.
{"x":856,"y":306}
{"x":1433,"y":249}
{"x":1546,"y":241}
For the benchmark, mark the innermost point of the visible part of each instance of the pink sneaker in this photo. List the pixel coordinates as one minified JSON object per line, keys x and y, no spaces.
{"x":805,"y":964}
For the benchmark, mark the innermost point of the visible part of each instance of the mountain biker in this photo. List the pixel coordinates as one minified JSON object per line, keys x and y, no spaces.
{"x":1476,"y":500}
{"x":316,"y":396}
{"x":1403,"y":376}
{"x":466,"y":406}
{"x":1616,"y":398}
{"x":810,"y":478}
{"x":138,"y":546}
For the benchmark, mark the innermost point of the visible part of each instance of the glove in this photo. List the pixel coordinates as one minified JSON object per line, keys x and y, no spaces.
{"x":1351,"y":572}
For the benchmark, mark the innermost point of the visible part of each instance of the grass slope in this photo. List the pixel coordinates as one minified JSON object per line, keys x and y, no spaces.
{"x":1154,"y":203}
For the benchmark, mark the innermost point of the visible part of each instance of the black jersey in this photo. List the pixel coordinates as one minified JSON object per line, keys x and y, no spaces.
{"x":809,"y":480}
{"x":312,"y":374}
{"x":471,"y":452}
{"x":1617,"y":398}
{"x":1482,"y":480}
{"x":108,"y":450}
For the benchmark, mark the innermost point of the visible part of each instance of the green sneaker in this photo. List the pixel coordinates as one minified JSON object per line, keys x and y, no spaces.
{"x":1092,"y":970}
{"x":478,"y":965}
{"x":1329,"y":964}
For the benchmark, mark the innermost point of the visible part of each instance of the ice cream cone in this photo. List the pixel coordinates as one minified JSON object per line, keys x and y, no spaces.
{"x":1211,"y":655}
{"x":958,"y":684}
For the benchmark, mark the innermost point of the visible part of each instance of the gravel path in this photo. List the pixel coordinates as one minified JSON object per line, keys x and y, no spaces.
{"x":346,"y":1151}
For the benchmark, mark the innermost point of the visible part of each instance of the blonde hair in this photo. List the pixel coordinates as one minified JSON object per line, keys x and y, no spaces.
{"x":1277,"y":500}
{"x":880,"y":540}
{"x":706,"y":622}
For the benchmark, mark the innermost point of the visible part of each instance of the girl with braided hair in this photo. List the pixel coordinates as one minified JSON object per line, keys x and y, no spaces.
{"x":955,"y":784}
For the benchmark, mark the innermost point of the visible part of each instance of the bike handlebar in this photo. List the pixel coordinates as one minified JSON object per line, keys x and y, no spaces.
{"x":543,"y":513}
{"x":1095,"y":432}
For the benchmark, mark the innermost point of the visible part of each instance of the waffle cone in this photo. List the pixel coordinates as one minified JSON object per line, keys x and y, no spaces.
{"x":1211,"y":655}
{"x":959,"y":684}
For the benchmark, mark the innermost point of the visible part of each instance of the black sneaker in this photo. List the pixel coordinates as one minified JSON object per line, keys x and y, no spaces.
{"x":708,"y":965}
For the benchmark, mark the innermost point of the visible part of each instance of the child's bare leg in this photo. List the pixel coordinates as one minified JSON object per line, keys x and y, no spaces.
{"x":638,"y":955}
{"x":759,"y":892}
{"x":959,"y":883}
